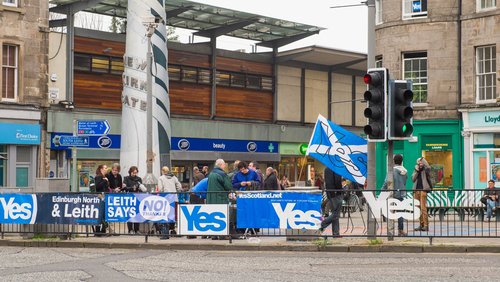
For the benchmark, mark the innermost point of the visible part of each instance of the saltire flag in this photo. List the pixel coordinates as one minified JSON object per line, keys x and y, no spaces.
{"x":339,"y":149}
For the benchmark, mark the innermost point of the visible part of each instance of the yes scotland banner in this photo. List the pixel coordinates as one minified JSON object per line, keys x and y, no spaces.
{"x":140,"y":207}
{"x":286,"y":210}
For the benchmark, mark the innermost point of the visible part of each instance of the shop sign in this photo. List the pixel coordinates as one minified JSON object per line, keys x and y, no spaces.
{"x":436,"y":143}
{"x":484,"y":119}
{"x":22,"y":134}
{"x":63,"y":141}
{"x":293,"y":149}
{"x":223,"y":145}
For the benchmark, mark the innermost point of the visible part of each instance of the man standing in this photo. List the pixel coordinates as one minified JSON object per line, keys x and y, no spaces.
{"x":255,"y":167}
{"x":271,"y":182}
{"x":400,"y":175}
{"x":168,"y":183}
{"x":492,"y":199}
{"x":333,"y":188}
{"x":197,"y":175}
{"x":204,"y":170}
{"x":246,"y":179}
{"x":218,"y":184}
{"x":421,"y":178}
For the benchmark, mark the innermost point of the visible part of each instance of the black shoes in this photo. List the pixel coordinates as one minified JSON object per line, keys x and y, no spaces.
{"x":422,"y":228}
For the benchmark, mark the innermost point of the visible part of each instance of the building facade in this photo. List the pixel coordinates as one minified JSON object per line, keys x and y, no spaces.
{"x":23,"y":80}
{"x":448,"y":49}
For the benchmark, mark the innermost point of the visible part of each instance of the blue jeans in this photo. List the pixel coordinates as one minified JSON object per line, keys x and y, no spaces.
{"x":400,"y":220}
{"x":490,"y":204}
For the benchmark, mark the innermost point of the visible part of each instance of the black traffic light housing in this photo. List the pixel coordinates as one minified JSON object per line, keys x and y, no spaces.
{"x":400,"y":110}
{"x":376,"y":110}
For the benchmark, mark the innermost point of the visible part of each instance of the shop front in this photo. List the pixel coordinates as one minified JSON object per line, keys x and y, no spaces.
{"x":19,"y":144}
{"x":188,"y":153}
{"x":301,"y":170}
{"x":481,"y":147}
{"x":439,"y":141}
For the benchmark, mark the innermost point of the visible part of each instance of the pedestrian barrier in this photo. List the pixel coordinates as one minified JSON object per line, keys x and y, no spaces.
{"x":291,"y":214}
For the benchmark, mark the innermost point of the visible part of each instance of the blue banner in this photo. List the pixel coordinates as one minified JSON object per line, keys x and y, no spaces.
{"x":59,"y":141}
{"x":223,"y":145}
{"x":342,"y":151}
{"x":286,"y":210}
{"x":22,"y":134}
{"x":18,"y":208}
{"x":66,"y":208}
{"x":140,"y":207}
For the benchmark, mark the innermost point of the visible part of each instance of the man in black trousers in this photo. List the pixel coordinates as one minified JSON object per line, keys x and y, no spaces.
{"x":333,"y":188}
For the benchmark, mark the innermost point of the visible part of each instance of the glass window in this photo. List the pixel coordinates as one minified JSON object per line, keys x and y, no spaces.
{"x":116,"y":66}
{"x":414,"y":9}
{"x":174,"y":73}
{"x":82,"y":62}
{"x":23,"y":154}
{"x":3,"y":164}
{"x":22,"y":176}
{"x":100,"y":64}
{"x":486,"y":4}
{"x":12,"y":3}
{"x":378,"y":11}
{"x":223,"y":78}
{"x":253,"y":81}
{"x":485,"y":73}
{"x":9,"y":71}
{"x":204,"y":76}
{"x":267,"y":83}
{"x":378,"y":62}
{"x":415,"y":69}
{"x":189,"y":74}
{"x":237,"y":80}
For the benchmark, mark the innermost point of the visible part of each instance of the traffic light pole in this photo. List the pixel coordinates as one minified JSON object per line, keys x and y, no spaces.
{"x":372,"y":177}
{"x":390,"y":185}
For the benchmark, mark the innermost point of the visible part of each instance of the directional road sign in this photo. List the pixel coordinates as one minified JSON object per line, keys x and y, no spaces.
{"x":92,"y":127}
{"x":70,"y":141}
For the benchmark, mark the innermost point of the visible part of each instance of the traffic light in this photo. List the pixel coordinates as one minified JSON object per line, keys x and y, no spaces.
{"x":400,"y":110}
{"x":376,"y":111}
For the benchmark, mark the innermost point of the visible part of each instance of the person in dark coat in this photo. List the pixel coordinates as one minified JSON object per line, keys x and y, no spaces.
{"x":101,"y":186}
{"x":422,"y":185}
{"x":132,"y":184}
{"x":115,"y":179}
{"x":218,"y":184}
{"x":334,"y":194}
{"x":271,"y":182}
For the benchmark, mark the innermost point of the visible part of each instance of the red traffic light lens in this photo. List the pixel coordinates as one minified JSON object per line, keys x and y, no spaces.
{"x":367,"y":78}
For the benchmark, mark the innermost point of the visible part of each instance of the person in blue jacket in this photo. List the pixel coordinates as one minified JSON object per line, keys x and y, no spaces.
{"x":200,"y":187}
{"x":246,"y":179}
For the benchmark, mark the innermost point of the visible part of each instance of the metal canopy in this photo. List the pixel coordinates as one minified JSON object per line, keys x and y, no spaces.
{"x":206,"y":19}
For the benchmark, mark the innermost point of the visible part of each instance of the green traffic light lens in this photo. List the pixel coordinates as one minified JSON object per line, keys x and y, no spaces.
{"x":404,"y":128}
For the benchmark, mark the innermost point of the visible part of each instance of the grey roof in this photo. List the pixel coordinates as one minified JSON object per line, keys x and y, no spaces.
{"x":208,"y":20}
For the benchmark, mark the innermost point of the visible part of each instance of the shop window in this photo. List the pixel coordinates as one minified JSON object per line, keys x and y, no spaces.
{"x":3,"y":165}
{"x":9,"y":72}
{"x":437,"y":150}
{"x":22,"y":176}
{"x":12,"y":3}
{"x":415,"y":69}
{"x":485,"y":74}
{"x":482,"y":5}
{"x":414,"y":9}
{"x":174,"y":73}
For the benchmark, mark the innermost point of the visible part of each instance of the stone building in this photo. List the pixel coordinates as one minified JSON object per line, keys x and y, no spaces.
{"x":24,"y":57}
{"x":448,"y":49}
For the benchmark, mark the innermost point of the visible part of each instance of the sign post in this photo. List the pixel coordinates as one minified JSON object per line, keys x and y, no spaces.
{"x":75,"y":172}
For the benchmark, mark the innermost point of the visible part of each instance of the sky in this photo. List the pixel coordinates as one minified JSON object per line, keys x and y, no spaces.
{"x":346,"y":28}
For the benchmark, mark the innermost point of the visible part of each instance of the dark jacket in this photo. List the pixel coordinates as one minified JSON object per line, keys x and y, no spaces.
{"x":115,"y":182}
{"x":271,"y":183}
{"x":101,"y":185}
{"x":250,"y":176}
{"x":422,"y":177}
{"x":132,"y":184}
{"x":198,"y":177}
{"x":218,"y":187}
{"x":333,"y":184}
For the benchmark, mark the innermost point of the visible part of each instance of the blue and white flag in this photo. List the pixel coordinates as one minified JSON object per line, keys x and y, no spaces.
{"x":341,"y":150}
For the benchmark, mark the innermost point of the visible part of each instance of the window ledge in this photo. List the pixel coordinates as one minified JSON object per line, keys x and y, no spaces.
{"x":479,"y":10}
{"x":420,"y":105}
{"x":21,"y":11}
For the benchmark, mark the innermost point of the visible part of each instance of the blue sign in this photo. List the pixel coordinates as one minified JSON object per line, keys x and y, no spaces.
{"x":92,"y":127}
{"x":22,"y":134}
{"x":140,"y":207}
{"x":18,"y":208}
{"x":285,"y":210}
{"x":94,"y":142}
{"x":416,"y":6}
{"x":65,"y":208}
{"x":70,"y":141}
{"x":223,"y":145}
{"x":203,"y":219}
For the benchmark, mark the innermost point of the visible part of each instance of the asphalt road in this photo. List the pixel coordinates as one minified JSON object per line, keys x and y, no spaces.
{"x":54,"y":264}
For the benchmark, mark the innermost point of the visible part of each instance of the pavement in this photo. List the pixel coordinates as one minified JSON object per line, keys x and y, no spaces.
{"x":277,"y":244}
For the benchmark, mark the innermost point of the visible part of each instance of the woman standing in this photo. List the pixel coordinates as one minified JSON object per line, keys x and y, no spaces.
{"x":422,"y":185}
{"x":284,"y":183}
{"x":133,"y":184}
{"x":101,"y":186}
{"x":115,"y":179}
